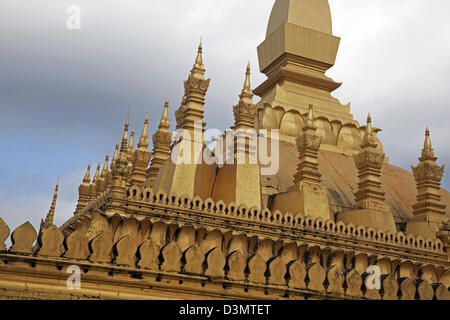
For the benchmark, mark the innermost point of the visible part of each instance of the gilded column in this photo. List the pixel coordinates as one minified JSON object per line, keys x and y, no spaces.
{"x":308,"y":145}
{"x":102,"y":181}
{"x":429,"y":213}
{"x":141,"y":158}
{"x":161,"y":147}
{"x":369,"y":162}
{"x":83,"y":191}
{"x":306,"y":197}
{"x":48,"y":222}
{"x":93,"y":186}
{"x":244,"y":176}
{"x":370,"y":209}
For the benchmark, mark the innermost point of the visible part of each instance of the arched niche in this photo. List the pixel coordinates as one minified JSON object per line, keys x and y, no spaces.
{"x":269,"y":118}
{"x":325,"y":130}
{"x":292,"y":124}
{"x":349,"y":138}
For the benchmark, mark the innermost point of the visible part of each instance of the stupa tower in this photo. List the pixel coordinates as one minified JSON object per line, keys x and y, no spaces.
{"x":299,"y":48}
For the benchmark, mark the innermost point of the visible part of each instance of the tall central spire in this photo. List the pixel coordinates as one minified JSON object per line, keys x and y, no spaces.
{"x":311,"y":14}
{"x":298,"y":50}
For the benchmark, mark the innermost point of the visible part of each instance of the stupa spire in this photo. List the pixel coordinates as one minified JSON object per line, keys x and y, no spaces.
{"x":198,"y":71}
{"x":87,"y":176}
{"x":245,"y":110}
{"x":161,"y":146}
{"x":428,"y":177}
{"x":97,"y":174}
{"x":103,"y":181}
{"x":51,"y":213}
{"x":83,"y":191}
{"x":115,"y":156}
{"x":308,"y":145}
{"x":124,"y":144}
{"x":131,"y":144}
{"x":246,"y":95}
{"x":140,"y":159}
{"x":369,"y":139}
{"x":105,"y":166}
{"x":143,"y":141}
{"x":310,"y":120}
{"x":369,"y":162}
{"x":427,"y":152}
{"x":164,"y":123}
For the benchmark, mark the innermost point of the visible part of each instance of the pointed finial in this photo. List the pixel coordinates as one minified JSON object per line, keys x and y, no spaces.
{"x":427,"y":152}
{"x":115,"y":156}
{"x":105,"y":166}
{"x":97,"y":174}
{"x":123,"y":147}
{"x":369,"y":125}
{"x":164,"y":123}
{"x":246,"y":95}
{"x":247,"y":85}
{"x":51,"y":213}
{"x":198,"y":71}
{"x":427,"y":144}
{"x":369,"y":139}
{"x":87,"y":176}
{"x":310,"y":120}
{"x":143,"y":141}
{"x":131,"y":144}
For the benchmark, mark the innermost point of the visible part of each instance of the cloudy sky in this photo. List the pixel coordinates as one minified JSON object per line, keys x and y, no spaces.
{"x":64,"y":95}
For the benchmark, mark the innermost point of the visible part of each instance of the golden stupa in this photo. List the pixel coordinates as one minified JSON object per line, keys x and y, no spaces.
{"x":163,"y":224}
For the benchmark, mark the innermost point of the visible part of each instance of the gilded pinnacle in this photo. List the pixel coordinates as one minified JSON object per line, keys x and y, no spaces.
{"x":246,"y":95}
{"x":427,"y":144}
{"x":143,"y":141}
{"x":51,"y":213}
{"x":123,"y":147}
{"x":116,"y":155}
{"x":198,"y":70}
{"x":164,"y":123}
{"x":310,"y":120}
{"x":369,"y":139}
{"x":131,"y":144}
{"x":369,"y":124}
{"x":97,"y":174}
{"x":427,"y":152}
{"x":87,"y":176}
{"x":105,"y":167}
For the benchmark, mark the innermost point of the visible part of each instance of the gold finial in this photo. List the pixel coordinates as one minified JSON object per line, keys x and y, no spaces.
{"x":369,"y":139}
{"x":246,"y":95}
{"x":51,"y":213}
{"x":427,"y":152}
{"x":87,"y":176}
{"x":427,"y":144}
{"x":131,"y":144}
{"x":310,"y":120}
{"x":247,"y":86}
{"x":247,"y":77}
{"x":105,"y":166}
{"x":123,"y":147}
{"x":199,"y":58}
{"x":369,"y":124}
{"x":198,"y":71}
{"x":143,"y":141}
{"x":164,"y":123}
{"x":116,"y":156}
{"x":97,"y":174}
